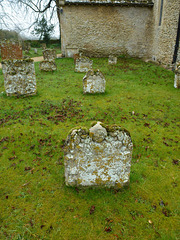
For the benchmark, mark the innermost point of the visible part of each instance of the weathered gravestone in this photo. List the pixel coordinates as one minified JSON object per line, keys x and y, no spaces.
{"x":177,"y":76}
{"x":49,"y":54}
{"x":19,"y":77}
{"x":48,"y":66}
{"x":94,"y":82}
{"x":43,"y":45}
{"x":11,"y":50}
{"x":100,"y":156}
{"x":83,"y":64}
{"x":112,"y":60}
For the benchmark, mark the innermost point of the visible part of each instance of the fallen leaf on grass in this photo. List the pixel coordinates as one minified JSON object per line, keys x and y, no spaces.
{"x":92,"y":209}
{"x":147,"y":124}
{"x":109,"y":220}
{"x":166,"y":212}
{"x":108,"y":229}
{"x":27,"y":168}
{"x":175,"y":161}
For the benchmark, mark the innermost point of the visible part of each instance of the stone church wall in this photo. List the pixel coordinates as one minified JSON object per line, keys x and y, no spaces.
{"x":99,"y":31}
{"x":165,"y":32}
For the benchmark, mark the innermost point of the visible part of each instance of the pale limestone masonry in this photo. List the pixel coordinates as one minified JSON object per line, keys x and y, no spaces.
{"x":100,"y":156}
{"x":94,"y":82}
{"x":83,"y":64}
{"x":177,"y":76}
{"x":103,"y":28}
{"x":49,"y":54}
{"x":112,"y":60}
{"x":99,"y":28}
{"x":19,"y":77}
{"x":165,"y":31}
{"x":48,"y":66}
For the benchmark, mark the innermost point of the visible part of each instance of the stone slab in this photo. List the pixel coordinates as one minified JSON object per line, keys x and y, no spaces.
{"x":48,"y":66}
{"x":94,"y":82}
{"x":11,"y":50}
{"x":98,"y":157}
{"x":49,"y":54}
{"x":19,"y":77}
{"x":83,"y":64}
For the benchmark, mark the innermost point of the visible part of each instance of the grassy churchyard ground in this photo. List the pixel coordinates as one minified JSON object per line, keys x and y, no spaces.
{"x":34,"y":201}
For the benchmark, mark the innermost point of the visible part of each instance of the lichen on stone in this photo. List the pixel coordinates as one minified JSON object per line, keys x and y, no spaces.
{"x":98,"y":156}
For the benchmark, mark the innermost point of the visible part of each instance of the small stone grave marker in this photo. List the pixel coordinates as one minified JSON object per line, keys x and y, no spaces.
{"x":11,"y":50}
{"x":19,"y":77}
{"x":83,"y":64}
{"x":112,"y":60}
{"x":43,"y":45}
{"x":48,"y":66}
{"x":100,"y":156}
{"x":177,"y":76}
{"x":94,"y":82}
{"x":49,"y":54}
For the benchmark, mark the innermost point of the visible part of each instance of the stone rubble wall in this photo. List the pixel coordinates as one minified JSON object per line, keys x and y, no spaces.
{"x":94,"y":82}
{"x":19,"y":77}
{"x":164,"y":37}
{"x":100,"y":156}
{"x":99,"y":31}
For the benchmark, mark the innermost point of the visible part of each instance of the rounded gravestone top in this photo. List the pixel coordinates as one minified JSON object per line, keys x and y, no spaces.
{"x":97,"y":132}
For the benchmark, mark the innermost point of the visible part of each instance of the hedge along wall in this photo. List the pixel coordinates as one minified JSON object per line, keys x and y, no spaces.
{"x":100,"y":31}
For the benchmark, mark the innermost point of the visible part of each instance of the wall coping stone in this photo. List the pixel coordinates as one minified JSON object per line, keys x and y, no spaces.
{"x":133,"y":3}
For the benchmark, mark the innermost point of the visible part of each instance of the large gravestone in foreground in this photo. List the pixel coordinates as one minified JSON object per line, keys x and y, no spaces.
{"x":19,"y":77}
{"x":100,"y":156}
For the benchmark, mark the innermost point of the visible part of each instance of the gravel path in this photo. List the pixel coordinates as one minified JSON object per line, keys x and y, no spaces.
{"x":39,"y":59}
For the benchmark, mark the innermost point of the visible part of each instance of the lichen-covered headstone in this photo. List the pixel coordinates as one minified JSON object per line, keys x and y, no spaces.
{"x":48,"y":66}
{"x":11,"y":50}
{"x":83,"y":64}
{"x":94,"y":82}
{"x":49,"y":54}
{"x":19,"y":77}
{"x":100,"y":156}
{"x":112,"y":60}
{"x":177,"y":76}
{"x":43,"y":45}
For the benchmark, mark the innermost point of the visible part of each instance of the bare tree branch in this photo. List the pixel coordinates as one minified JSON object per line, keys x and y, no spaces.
{"x":38,"y":7}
